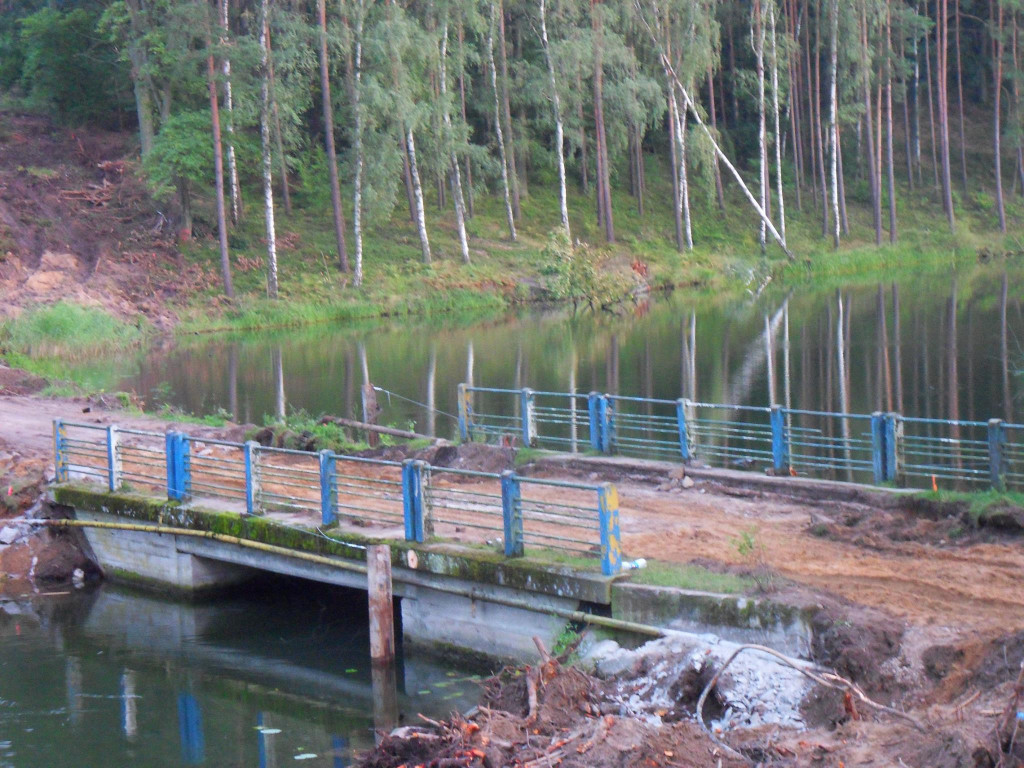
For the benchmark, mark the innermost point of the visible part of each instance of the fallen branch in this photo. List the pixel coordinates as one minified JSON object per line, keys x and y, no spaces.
{"x":827,"y":679}
{"x":375,"y":428}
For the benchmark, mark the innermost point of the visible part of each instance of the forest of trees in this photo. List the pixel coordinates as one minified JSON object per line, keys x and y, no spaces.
{"x":781,"y":103}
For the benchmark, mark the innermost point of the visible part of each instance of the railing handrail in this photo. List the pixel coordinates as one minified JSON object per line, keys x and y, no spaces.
{"x":882,"y":443}
{"x":374,"y":499}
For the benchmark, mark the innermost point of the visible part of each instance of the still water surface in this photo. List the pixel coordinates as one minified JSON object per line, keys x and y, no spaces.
{"x":938,"y":345}
{"x":275,"y":676}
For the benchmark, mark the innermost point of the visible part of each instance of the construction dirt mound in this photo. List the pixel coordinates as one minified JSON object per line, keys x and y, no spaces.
{"x":77,"y":223}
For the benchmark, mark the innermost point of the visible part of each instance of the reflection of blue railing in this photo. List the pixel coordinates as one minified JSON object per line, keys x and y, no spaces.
{"x":420,"y":500}
{"x":877,"y":447}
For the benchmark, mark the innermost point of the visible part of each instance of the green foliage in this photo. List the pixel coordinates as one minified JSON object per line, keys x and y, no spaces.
{"x":302,"y":431}
{"x":182,"y":152}
{"x":65,"y":65}
{"x":573,"y":273}
{"x":69,"y":330}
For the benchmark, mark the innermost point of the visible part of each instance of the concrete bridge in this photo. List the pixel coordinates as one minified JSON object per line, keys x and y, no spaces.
{"x":480,"y":561}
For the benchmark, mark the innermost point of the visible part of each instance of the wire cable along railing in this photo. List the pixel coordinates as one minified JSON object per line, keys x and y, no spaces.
{"x":876,"y":448}
{"x":409,"y":499}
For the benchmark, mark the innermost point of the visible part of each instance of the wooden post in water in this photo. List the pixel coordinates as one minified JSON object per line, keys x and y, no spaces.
{"x":382,"y":638}
{"x":382,"y":619}
{"x":370,"y":412}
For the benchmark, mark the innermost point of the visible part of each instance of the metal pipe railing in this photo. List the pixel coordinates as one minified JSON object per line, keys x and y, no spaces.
{"x":576,"y":517}
{"x":874,"y":448}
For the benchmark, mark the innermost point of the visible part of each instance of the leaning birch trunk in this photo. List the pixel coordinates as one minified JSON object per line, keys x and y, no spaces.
{"x":332,"y":157}
{"x":684,"y":179}
{"x":775,"y":109}
{"x":460,"y":215}
{"x":833,"y":124}
{"x":268,"y":180}
{"x":417,"y":188}
{"x":697,"y":118}
{"x":559,"y":132}
{"x":229,"y":108}
{"x":677,"y":164}
{"x":357,"y":150}
{"x":499,"y":133}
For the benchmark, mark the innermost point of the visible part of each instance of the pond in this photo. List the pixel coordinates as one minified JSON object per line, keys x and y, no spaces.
{"x":265,"y":677}
{"x":937,"y":344}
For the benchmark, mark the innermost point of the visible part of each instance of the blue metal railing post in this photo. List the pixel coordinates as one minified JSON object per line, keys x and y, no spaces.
{"x":780,"y":441}
{"x":170,"y":451}
{"x":252,"y":477}
{"x":682,"y":407}
{"x":608,"y":514}
{"x":60,"y":459}
{"x":996,"y":454}
{"x":594,"y":412}
{"x":893,"y":447}
{"x":113,"y":460}
{"x":878,"y":446}
{"x":184,"y":467}
{"x":528,"y":417}
{"x":607,"y":408}
{"x":413,"y":499}
{"x":512,"y":513}
{"x":465,"y":414}
{"x":328,"y":488}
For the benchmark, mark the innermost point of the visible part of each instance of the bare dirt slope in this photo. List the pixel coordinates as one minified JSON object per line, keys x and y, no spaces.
{"x":77,"y":223}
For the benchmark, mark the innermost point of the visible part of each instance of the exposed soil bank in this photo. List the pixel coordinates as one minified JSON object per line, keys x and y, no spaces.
{"x":637,"y":709}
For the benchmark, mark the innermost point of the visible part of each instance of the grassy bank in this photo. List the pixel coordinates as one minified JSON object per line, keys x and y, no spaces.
{"x":68,"y":330}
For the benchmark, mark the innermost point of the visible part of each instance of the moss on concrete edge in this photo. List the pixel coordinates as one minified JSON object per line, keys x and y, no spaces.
{"x":468,"y":563}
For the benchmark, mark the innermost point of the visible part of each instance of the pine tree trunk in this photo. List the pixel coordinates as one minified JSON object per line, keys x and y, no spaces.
{"x":960,"y":97}
{"x":420,"y":213}
{"x":457,"y":198}
{"x":874,"y":182}
{"x":890,"y":170}
{"x":267,"y":155}
{"x":332,"y":157}
{"x":603,"y":175}
{"x":833,"y":115}
{"x":509,"y":212}
{"x":931,"y":111}
{"x":229,"y":109}
{"x":218,"y":171}
{"x":997,"y":132}
{"x":357,"y":146}
{"x":1017,"y":105}
{"x":584,"y":168}
{"x":811,"y":121}
{"x":507,"y":110}
{"x":559,"y":130}
{"x":775,"y":109}
{"x":942,"y":73}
